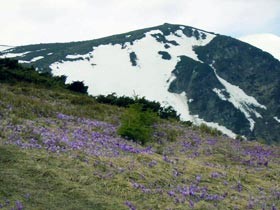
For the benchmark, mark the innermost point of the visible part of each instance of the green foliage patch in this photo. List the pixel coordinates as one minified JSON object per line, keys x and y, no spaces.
{"x":136,"y":124}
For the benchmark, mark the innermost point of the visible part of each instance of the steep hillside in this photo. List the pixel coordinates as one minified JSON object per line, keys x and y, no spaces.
{"x":208,"y":78}
{"x":267,"y":42}
{"x":61,"y":150}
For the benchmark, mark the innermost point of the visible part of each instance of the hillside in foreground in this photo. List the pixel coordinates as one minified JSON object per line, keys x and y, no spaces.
{"x":61,"y":150}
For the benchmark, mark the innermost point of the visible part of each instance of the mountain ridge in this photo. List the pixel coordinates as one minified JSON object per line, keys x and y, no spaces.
{"x":149,"y":61}
{"x":267,"y":42}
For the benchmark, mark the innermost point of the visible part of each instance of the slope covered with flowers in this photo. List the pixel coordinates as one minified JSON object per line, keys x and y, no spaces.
{"x":61,"y":150}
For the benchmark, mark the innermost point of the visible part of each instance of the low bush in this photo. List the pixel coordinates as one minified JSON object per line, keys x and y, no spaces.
{"x":78,"y":86}
{"x":136,"y":124}
{"x":212,"y":131}
{"x":124,"y":101}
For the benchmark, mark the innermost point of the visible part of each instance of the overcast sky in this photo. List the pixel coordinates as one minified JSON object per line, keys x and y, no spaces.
{"x":41,"y":21}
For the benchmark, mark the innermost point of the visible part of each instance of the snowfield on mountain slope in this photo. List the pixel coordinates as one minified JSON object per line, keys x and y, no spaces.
{"x":239,"y":99}
{"x":13,"y":55}
{"x":108,"y":69}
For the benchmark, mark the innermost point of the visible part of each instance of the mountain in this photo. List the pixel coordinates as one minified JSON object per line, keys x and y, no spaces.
{"x":61,"y":149}
{"x":267,"y":42}
{"x":206,"y":77}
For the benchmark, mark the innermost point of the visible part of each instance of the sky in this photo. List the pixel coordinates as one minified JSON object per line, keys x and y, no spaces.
{"x":44,"y":21}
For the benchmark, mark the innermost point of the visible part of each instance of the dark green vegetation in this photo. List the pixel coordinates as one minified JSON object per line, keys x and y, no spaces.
{"x":136,"y":124}
{"x":133,"y":58}
{"x":78,"y":86}
{"x":61,"y":150}
{"x":198,"y":81}
{"x":124,"y":101}
{"x":13,"y":73}
{"x":164,"y":55}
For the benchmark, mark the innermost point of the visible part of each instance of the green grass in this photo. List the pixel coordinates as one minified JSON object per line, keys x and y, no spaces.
{"x":76,"y":180}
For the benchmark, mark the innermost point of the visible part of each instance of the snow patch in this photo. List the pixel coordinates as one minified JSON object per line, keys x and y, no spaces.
{"x":240,"y":100}
{"x":22,"y":61}
{"x":220,"y":94}
{"x":41,"y":50}
{"x":36,"y":58}
{"x":76,"y":56}
{"x":277,"y":119}
{"x":219,"y":127}
{"x":13,"y":55}
{"x":186,"y":44}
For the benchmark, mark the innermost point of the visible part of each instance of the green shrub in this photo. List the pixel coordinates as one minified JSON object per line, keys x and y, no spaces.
{"x":212,"y":131}
{"x":78,"y":86}
{"x":240,"y":138}
{"x":82,"y":100}
{"x":136,"y":124}
{"x":124,"y":101}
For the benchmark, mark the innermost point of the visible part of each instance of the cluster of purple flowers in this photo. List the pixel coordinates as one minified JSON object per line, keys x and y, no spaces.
{"x":93,"y":137}
{"x":18,"y":205}
{"x":66,"y":133}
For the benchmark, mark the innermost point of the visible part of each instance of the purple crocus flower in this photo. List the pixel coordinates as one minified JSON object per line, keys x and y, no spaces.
{"x":191,"y":203}
{"x":19,"y":205}
{"x":273,"y":207}
{"x":130,"y":205}
{"x":171,"y":193}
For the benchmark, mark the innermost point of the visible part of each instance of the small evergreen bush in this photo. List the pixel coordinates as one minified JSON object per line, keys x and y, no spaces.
{"x":78,"y":86}
{"x":136,"y":124}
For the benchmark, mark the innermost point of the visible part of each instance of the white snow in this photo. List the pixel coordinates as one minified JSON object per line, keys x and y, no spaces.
{"x":50,"y":53}
{"x":186,"y":45}
{"x":41,"y":50}
{"x":12,"y":55}
{"x":151,"y":77}
{"x":240,"y":100}
{"x":32,"y":60}
{"x":220,"y":94}
{"x":219,"y":127}
{"x":267,"y":42}
{"x":277,"y":119}
{"x":127,"y":36}
{"x":36,"y":58}
{"x":77,"y":56}
{"x":22,"y":61}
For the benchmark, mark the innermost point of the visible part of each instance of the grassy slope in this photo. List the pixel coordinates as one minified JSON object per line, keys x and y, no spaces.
{"x":187,"y":170}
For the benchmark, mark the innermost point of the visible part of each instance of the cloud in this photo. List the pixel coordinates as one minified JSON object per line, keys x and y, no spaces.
{"x":31,"y":21}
